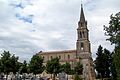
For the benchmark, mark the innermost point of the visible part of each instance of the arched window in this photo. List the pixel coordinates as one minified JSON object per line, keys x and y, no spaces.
{"x":82,"y":45}
{"x":68,"y":56}
{"x":80,"y":34}
{"x":83,"y":34}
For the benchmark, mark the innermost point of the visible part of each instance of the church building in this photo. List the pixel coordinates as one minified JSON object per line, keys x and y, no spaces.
{"x":82,"y":51}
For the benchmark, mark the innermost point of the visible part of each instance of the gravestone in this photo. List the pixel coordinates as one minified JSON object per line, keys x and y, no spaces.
{"x":62,"y":76}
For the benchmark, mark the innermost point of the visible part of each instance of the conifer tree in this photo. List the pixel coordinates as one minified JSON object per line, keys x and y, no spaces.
{"x":99,"y":63}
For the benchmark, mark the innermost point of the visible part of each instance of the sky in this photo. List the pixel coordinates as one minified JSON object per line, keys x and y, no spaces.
{"x":30,"y":26}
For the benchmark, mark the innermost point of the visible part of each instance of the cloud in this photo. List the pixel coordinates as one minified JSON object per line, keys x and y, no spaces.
{"x":27,"y":18}
{"x":30,"y":26}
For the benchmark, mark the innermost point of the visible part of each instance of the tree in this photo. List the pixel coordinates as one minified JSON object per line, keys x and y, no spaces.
{"x":53,"y":67}
{"x":99,"y":63}
{"x":107,"y":62}
{"x":116,"y":61}
{"x":8,"y":63}
{"x":113,"y":69}
{"x":36,"y":64}
{"x":78,"y":68}
{"x":103,"y":63}
{"x":66,"y":68}
{"x":77,"y":77}
{"x":5,"y":62}
{"x":24,"y":67}
{"x":113,"y":31}
{"x":14,"y":64}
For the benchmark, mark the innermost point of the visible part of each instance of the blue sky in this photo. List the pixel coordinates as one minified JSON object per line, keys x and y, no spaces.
{"x":29,"y":26}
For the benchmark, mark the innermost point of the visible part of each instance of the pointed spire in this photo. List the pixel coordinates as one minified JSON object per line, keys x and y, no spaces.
{"x":82,"y":17}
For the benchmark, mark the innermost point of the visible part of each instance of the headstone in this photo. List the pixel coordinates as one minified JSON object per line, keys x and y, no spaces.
{"x":62,"y":76}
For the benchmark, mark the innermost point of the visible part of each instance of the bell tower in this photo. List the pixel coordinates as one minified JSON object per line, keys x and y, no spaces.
{"x":83,"y":50}
{"x":83,"y":43}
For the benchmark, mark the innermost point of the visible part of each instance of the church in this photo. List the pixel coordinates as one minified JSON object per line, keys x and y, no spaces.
{"x":82,"y":51}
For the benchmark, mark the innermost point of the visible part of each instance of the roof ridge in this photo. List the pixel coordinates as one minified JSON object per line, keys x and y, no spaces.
{"x":59,"y":51}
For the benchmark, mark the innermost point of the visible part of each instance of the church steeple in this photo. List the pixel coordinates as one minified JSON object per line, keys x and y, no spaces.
{"x":82,"y":17}
{"x":82,"y":44}
{"x":82,"y":22}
